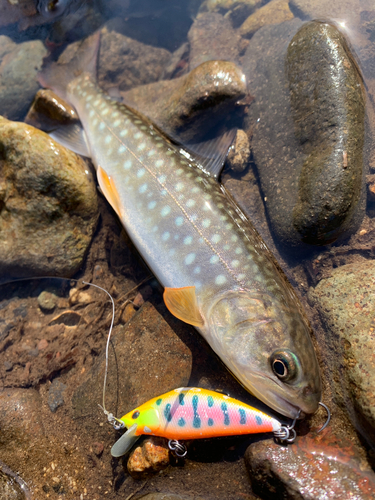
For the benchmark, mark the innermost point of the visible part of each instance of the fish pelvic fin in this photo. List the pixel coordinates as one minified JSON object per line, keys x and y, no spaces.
{"x":182,"y":303}
{"x":57,"y":75}
{"x":109,"y":190}
{"x":126,"y":442}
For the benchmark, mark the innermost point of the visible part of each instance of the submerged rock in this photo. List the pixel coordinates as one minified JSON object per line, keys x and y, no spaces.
{"x":148,"y":458}
{"x":313,"y":468}
{"x":310,"y":195}
{"x":346,"y":302}
{"x":19,"y":64}
{"x":48,"y":199}
{"x":274,"y":12}
{"x":236,"y":10}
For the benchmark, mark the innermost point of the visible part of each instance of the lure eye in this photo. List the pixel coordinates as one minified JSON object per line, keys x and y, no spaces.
{"x":284,"y":365}
{"x":135,"y":415}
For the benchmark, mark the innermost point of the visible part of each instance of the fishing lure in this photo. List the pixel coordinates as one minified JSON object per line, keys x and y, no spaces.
{"x":194,"y":413}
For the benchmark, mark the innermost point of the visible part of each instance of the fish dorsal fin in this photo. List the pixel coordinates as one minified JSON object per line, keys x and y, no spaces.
{"x":72,"y":137}
{"x":108,"y":188}
{"x":182,"y":303}
{"x":125,"y":443}
{"x":211,"y":155}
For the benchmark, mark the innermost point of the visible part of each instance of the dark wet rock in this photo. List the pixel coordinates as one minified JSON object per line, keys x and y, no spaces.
{"x":346,"y":303}
{"x":19,"y":64}
{"x":295,"y":198}
{"x":48,"y":111}
{"x":315,"y":467}
{"x":370,"y":181}
{"x":147,"y":354}
{"x":14,"y":11}
{"x":212,"y":37}
{"x":148,"y":458}
{"x":47,"y":300}
{"x":193,"y":104}
{"x":55,"y":395}
{"x":47,"y":194}
{"x":236,"y":10}
{"x":9,"y":488}
{"x":274,"y":12}
{"x":125,"y":63}
{"x":321,"y":71}
{"x":239,"y":154}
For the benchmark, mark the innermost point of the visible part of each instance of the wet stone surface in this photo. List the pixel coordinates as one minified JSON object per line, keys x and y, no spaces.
{"x":313,"y":468}
{"x":47,"y":194}
{"x":301,"y":194}
{"x":148,"y":458}
{"x":274,"y":12}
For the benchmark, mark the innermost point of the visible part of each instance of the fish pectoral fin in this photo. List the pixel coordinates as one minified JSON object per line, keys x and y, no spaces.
{"x":182,"y":303}
{"x":72,"y":137}
{"x":108,"y":188}
{"x":125,"y":443}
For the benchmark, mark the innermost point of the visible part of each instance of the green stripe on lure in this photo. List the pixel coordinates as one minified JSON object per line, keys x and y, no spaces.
{"x":193,"y":413}
{"x":217,"y":273}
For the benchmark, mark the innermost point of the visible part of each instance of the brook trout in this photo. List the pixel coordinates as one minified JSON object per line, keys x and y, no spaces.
{"x":217,"y":273}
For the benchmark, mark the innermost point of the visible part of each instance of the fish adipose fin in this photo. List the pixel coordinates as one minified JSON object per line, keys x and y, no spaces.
{"x":109,"y":190}
{"x":125,"y":443}
{"x":182,"y":303}
{"x":57,"y":76}
{"x":72,"y":137}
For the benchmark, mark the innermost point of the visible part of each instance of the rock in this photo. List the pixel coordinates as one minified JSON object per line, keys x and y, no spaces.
{"x":315,"y":467}
{"x":211,"y":37}
{"x":147,"y":349}
{"x":296,"y":200}
{"x":274,"y":12}
{"x":19,"y":64}
{"x":149,"y":458}
{"x":239,"y":155}
{"x":166,"y":496}
{"x":190,"y":106}
{"x":346,"y":10}
{"x":47,"y":301}
{"x":236,"y":10}
{"x":125,"y":63}
{"x":346,"y":303}
{"x":55,"y":395}
{"x":332,"y":136}
{"x":47,"y":194}
{"x":14,"y":11}
{"x":9,"y":488}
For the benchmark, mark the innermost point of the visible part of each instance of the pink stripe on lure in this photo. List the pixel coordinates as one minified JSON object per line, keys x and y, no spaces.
{"x":193,"y":413}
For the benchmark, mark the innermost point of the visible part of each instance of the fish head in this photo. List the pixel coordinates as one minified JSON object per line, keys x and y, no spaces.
{"x":266,"y":344}
{"x":146,"y":417}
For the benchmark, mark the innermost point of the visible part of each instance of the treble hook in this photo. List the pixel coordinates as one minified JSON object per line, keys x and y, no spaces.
{"x":287,"y":433}
{"x":328,"y":416}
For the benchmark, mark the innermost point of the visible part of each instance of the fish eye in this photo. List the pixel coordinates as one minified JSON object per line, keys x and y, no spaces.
{"x":135,"y":415}
{"x":284,"y":365}
{"x":52,"y":8}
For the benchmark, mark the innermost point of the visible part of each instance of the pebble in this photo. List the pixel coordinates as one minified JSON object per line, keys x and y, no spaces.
{"x":236,"y":10}
{"x":19,"y":64}
{"x":47,"y":301}
{"x":274,"y":12}
{"x":61,"y":208}
{"x":346,"y":301}
{"x":55,"y":395}
{"x":315,"y":467}
{"x":239,"y":155}
{"x":148,"y":458}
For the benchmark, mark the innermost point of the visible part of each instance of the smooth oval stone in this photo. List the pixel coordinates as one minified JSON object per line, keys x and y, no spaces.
{"x":328,"y":109}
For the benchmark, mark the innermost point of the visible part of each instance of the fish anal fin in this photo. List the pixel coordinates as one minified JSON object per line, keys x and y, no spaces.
{"x":109,"y":190}
{"x":182,"y":303}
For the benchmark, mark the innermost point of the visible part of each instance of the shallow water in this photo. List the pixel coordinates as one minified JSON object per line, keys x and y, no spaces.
{"x":58,"y":440}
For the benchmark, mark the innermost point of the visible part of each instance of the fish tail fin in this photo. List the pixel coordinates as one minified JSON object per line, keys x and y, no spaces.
{"x":57,"y":75}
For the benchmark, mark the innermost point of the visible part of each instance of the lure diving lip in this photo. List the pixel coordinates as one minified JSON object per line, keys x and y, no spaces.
{"x":194,"y":413}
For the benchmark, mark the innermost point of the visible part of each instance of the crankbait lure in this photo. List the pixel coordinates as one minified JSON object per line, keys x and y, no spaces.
{"x":194,"y":413}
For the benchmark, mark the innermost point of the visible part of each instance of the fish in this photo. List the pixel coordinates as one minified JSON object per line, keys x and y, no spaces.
{"x":192,"y":413}
{"x":52,"y":9}
{"x":218,"y":274}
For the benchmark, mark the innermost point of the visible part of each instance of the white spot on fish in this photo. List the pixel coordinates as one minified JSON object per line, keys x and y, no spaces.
{"x":197,"y":270}
{"x":154,"y":229}
{"x":141,"y":172}
{"x":179,"y":221}
{"x":95,"y":122}
{"x":105,"y":111}
{"x":121,"y":149}
{"x":190,"y":203}
{"x":117,"y":122}
{"x":159,"y":163}
{"x":165,"y":211}
{"x":206,"y":223}
{"x":188,"y":240}
{"x":115,"y":114}
{"x":172,"y":251}
{"x":162,"y":179}
{"x":234,"y":237}
{"x":141,"y":146}
{"x":108,"y":139}
{"x":151,"y":152}
{"x":220,"y":279}
{"x":96,"y":102}
{"x":195,"y":189}
{"x":238,"y":250}
{"x":152,"y":205}
{"x":165,"y":236}
{"x":124,"y":132}
{"x":92,"y":112}
{"x":127,"y":164}
{"x":138,"y":135}
{"x":101,"y":126}
{"x":179,"y":171}
{"x":143,"y":188}
{"x":241,"y":276}
{"x":235,"y":263}
{"x":89,"y":98}
{"x":189,"y":259}
{"x":179,"y":186}
{"x":216,"y":238}
{"x":214,"y":259}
